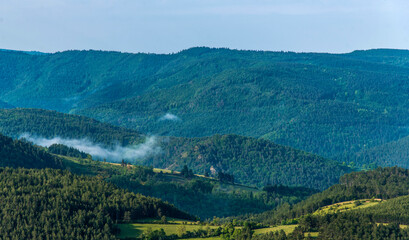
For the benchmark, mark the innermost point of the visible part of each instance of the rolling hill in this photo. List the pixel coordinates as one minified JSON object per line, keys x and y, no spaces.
{"x":381,"y":183}
{"x":395,"y":153}
{"x":14,"y":153}
{"x":43,"y":203}
{"x":365,"y":205}
{"x":39,"y":201}
{"x":328,"y":104}
{"x":251,"y":161}
{"x":49,"y":124}
{"x":203,"y":197}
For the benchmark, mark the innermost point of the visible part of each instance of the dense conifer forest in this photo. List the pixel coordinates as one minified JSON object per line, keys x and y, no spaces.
{"x":334,"y":105}
{"x":61,"y":149}
{"x":383,"y":183}
{"x":203,"y":197}
{"x":14,"y":153}
{"x":251,"y":161}
{"x":49,"y":124}
{"x":55,"y":204}
{"x":255,"y":145}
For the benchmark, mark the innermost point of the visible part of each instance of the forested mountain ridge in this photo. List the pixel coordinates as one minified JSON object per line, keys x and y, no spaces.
{"x":15,"y":153}
{"x":251,"y":161}
{"x":395,"y":153}
{"x":329,"y":104}
{"x":56,"y":204}
{"x":50,"y":124}
{"x":202,"y":197}
{"x":383,"y":183}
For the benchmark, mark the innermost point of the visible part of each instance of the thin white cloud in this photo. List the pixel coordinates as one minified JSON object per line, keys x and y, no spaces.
{"x":170,"y":117}
{"x":115,"y":154}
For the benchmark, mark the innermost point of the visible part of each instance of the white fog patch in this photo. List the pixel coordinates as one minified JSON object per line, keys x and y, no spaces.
{"x":114,"y":154}
{"x":169,"y":117}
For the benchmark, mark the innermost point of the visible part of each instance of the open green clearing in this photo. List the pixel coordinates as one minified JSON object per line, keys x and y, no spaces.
{"x":286,"y":228}
{"x":172,"y":221}
{"x":337,"y":207}
{"x":134,"y":230}
{"x":348,"y":205}
{"x":210,"y":238}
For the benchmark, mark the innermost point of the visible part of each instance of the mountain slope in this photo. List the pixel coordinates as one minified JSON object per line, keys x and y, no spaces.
{"x":49,"y":124}
{"x":201,"y":196}
{"x":14,"y":153}
{"x":329,"y":104}
{"x":251,"y":161}
{"x":384,"y":183}
{"x":204,"y":198}
{"x":395,"y":153}
{"x":55,"y":204}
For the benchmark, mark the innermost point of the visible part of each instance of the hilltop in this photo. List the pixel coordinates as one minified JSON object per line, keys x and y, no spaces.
{"x":204,"y":197}
{"x":251,"y":161}
{"x":14,"y":153}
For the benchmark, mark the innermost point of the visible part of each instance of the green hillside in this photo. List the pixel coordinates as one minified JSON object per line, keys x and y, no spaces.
{"x":395,"y":153}
{"x":49,"y":124}
{"x":382,"y":183}
{"x":203,"y":197}
{"x":14,"y":153}
{"x":329,"y":104}
{"x":251,"y":161}
{"x":55,"y":204}
{"x":386,"y":220}
{"x":365,"y":205}
{"x":200,"y":196}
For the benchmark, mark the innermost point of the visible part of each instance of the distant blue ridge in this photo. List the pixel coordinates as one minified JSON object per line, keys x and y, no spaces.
{"x":27,"y":52}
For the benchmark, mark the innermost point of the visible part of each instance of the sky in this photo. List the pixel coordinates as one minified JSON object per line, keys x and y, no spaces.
{"x":168,"y":26}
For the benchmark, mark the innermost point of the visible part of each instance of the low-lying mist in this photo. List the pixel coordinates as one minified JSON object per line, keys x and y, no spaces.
{"x":99,"y":151}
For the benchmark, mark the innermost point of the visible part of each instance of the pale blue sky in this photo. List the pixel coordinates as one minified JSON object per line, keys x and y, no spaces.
{"x":164,"y":26}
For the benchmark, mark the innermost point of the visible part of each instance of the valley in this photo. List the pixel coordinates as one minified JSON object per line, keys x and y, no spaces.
{"x":205,"y":143}
{"x":333,"y":105}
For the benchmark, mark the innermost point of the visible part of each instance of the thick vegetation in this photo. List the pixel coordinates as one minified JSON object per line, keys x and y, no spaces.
{"x":328,"y":104}
{"x":49,"y":124}
{"x":55,"y":204}
{"x":61,"y":149}
{"x":202,"y":197}
{"x":250,"y":161}
{"x":393,"y":153}
{"x":349,"y":107}
{"x":384,"y":183}
{"x":14,"y":153}
{"x":387,"y":220}
{"x":378,"y":220}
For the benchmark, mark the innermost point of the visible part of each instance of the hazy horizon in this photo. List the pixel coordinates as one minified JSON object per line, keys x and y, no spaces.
{"x":164,"y":26}
{"x":40,"y":52}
